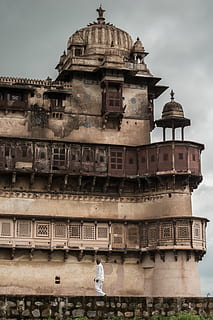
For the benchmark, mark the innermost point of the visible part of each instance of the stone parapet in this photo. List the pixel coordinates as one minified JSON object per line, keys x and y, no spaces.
{"x":42,"y":307}
{"x":34,"y":82}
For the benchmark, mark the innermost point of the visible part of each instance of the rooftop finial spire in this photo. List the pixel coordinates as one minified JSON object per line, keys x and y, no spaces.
{"x":101,"y":18}
{"x":172,"y":95}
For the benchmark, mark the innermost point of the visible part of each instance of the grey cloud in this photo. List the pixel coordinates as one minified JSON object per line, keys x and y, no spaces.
{"x":178,"y":36}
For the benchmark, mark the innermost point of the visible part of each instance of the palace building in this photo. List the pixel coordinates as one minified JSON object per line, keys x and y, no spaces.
{"x":80,"y":178}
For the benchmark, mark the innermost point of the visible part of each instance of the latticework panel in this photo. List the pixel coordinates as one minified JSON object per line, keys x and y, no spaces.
{"x":117,"y":235}
{"x":6,"y":228}
{"x":153,"y":234}
{"x":42,"y":229}
{"x":89,"y":232}
{"x":133,"y":236}
{"x":75,"y":231}
{"x":102,"y":232}
{"x":60,"y":230}
{"x":24,"y":228}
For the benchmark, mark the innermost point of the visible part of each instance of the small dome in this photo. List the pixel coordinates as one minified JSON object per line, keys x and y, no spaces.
{"x":138,"y":46}
{"x":76,"y":39}
{"x":172,"y":109}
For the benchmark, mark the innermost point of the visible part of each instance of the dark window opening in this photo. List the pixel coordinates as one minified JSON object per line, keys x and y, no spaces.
{"x":193,"y":157}
{"x":88,"y":155}
{"x":73,"y":157}
{"x":101,"y":159}
{"x":57,"y":280}
{"x":57,"y":115}
{"x":42,"y":155}
{"x":7,"y":151}
{"x":24,"y":152}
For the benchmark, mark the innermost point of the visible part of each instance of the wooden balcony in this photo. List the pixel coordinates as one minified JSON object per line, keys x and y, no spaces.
{"x":157,"y":159}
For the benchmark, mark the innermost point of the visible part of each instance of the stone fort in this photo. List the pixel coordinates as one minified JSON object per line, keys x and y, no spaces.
{"x":80,"y":178}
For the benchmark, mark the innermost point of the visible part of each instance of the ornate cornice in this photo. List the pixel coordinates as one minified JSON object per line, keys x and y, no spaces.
{"x":92,"y":198}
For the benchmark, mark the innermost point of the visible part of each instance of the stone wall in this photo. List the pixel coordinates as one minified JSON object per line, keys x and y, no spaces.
{"x":42,"y":307}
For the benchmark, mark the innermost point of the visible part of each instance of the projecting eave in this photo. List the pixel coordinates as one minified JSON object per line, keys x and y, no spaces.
{"x":22,"y":87}
{"x":63,"y":75}
{"x":156,"y":91}
{"x":149,"y":78}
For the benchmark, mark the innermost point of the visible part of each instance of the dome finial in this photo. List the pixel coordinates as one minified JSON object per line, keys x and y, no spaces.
{"x":172,"y":95}
{"x":101,"y":18}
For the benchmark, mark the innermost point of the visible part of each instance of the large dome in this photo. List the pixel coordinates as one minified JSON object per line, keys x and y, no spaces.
{"x":99,"y":36}
{"x":102,"y":45}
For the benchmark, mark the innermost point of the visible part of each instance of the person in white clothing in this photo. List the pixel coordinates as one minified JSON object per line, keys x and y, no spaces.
{"x":99,"y":278}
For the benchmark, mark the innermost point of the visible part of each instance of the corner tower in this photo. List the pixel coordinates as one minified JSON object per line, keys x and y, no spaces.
{"x":80,"y":178}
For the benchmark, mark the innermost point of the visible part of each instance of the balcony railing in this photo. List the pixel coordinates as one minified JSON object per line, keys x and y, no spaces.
{"x":187,"y":233}
{"x":158,"y":159}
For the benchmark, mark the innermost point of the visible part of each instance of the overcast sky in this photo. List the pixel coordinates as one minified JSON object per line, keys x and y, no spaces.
{"x":178,"y":36}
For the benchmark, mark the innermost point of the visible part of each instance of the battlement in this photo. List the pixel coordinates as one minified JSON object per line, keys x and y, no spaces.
{"x":34,"y":82}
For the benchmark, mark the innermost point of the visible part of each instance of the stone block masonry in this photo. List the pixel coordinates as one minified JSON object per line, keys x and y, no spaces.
{"x":55,"y":307}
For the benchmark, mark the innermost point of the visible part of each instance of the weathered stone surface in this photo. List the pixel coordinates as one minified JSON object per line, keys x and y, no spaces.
{"x":70,"y":304}
{"x":89,"y":304}
{"x":128,"y":314}
{"x":91,"y":314}
{"x":39,"y":303}
{"x":155,"y":312}
{"x":11,"y":304}
{"x":26,"y":313}
{"x":14,"y":312}
{"x":77,"y":313}
{"x":78,"y":305}
{"x":138,"y":313}
{"x":100,"y":303}
{"x":45,"y":312}
{"x":110,"y":314}
{"x":36,"y":313}
{"x":28,"y":303}
{"x":102,"y":309}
